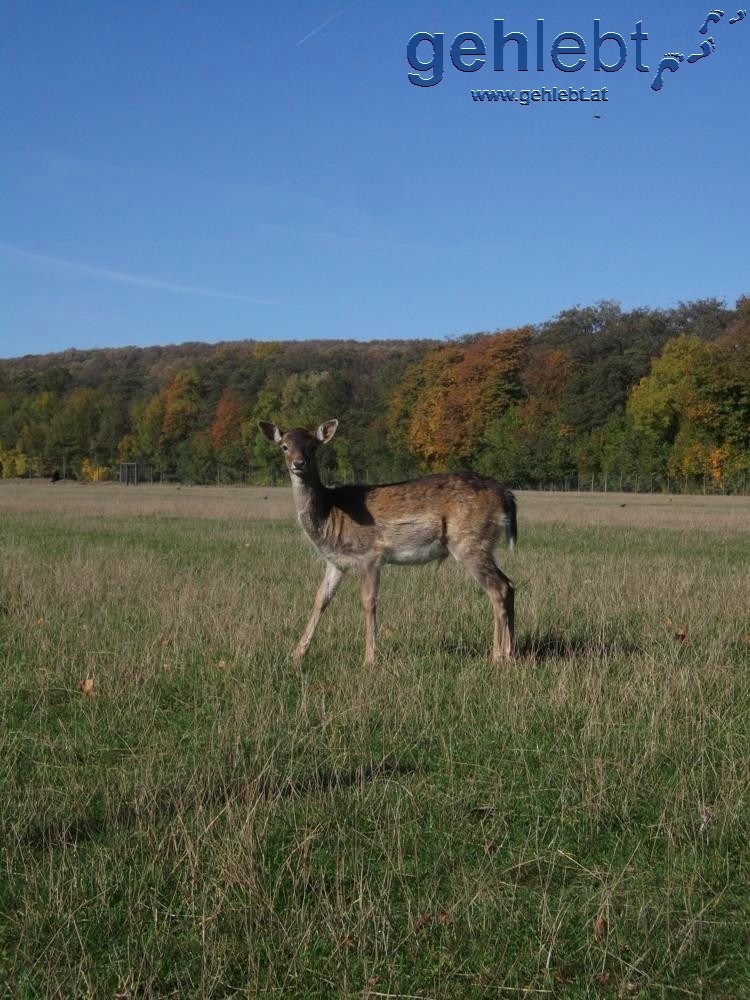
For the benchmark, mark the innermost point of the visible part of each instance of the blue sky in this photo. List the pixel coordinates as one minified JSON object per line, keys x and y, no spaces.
{"x":176,"y":171}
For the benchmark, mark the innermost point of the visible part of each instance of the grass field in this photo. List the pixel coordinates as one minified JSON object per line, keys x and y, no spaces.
{"x":210,"y":820}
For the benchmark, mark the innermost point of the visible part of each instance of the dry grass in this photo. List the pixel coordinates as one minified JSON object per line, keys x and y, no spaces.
{"x":72,"y":500}
{"x":210,"y":820}
{"x":616,"y":510}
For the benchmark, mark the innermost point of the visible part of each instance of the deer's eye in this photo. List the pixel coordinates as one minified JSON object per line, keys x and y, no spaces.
{"x":284,"y":447}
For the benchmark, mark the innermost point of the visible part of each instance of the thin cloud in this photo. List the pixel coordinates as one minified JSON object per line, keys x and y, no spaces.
{"x":135,"y":279}
{"x":327,"y":22}
{"x":293,"y":181}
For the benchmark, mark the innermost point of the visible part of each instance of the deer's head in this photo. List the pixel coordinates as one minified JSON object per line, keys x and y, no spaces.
{"x":299,"y":445}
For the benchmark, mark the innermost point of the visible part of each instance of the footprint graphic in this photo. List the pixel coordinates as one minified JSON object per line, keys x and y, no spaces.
{"x":714,"y":17}
{"x":671,"y":62}
{"x":707,"y":48}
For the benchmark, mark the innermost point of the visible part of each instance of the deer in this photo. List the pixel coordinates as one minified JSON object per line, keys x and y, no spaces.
{"x":414,"y":522}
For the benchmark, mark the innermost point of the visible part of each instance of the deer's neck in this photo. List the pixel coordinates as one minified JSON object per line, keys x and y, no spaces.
{"x":310,"y":503}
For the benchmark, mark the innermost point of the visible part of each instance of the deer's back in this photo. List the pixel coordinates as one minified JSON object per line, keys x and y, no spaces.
{"x":414,"y":521}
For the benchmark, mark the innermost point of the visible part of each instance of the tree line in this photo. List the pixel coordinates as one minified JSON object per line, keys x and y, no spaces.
{"x":646,"y":398}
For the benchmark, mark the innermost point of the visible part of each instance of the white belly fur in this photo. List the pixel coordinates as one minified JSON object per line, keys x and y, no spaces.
{"x":417,"y":555}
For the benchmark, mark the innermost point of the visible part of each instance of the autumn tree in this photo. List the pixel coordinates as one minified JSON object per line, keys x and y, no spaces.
{"x":226,"y":435}
{"x":696,"y":400}
{"x":446,"y":402}
{"x":532,"y":441}
{"x":181,"y":403}
{"x":410,"y":408}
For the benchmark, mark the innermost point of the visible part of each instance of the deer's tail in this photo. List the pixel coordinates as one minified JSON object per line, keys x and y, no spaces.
{"x":509,"y":520}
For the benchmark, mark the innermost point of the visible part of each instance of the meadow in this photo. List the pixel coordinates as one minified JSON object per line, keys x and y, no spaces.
{"x":185,"y":812}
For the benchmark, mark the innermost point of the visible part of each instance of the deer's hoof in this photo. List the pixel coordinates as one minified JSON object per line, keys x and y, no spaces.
{"x":499,"y":658}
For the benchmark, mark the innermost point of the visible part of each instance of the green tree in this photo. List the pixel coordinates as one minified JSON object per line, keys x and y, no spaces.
{"x":73,"y":428}
{"x":194,"y":462}
{"x":147,"y":419}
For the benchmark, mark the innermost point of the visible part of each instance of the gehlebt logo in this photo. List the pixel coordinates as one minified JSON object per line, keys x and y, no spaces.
{"x":568,"y":52}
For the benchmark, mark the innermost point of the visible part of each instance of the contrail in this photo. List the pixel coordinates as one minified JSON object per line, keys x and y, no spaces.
{"x":326,"y":23}
{"x":135,"y":279}
{"x":303,"y":177}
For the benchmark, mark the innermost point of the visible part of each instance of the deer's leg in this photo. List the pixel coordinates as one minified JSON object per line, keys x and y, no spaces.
{"x":329,"y":586}
{"x":370,"y":583}
{"x":499,"y":589}
{"x":502,"y":596}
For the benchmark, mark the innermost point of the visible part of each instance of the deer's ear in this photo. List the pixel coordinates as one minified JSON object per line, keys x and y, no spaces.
{"x":327,"y":430}
{"x":270,"y":431}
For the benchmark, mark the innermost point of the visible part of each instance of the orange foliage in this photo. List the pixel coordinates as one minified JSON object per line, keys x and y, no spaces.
{"x":413,"y":392}
{"x":548,"y":375}
{"x":225,"y":428}
{"x":457,"y":390}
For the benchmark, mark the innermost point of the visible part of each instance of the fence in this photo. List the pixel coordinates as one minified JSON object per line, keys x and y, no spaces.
{"x":619,"y":483}
{"x":136,"y":473}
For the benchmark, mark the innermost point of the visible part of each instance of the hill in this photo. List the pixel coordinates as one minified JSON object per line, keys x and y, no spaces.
{"x":643,"y":395}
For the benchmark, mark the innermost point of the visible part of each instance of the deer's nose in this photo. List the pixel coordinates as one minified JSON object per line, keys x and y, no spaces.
{"x":298,"y":464}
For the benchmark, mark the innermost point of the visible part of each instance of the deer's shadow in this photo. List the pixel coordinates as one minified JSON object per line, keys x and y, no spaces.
{"x":551,"y":644}
{"x":547,"y":645}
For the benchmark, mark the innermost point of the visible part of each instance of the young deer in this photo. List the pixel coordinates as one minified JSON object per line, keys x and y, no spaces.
{"x":409,"y":523}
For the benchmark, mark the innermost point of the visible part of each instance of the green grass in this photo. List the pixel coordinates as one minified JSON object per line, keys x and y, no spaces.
{"x":218,"y":822}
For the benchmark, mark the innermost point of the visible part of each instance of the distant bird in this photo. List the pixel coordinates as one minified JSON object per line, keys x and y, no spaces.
{"x":598,"y":116}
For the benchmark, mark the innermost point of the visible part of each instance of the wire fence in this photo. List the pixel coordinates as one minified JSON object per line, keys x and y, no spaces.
{"x":738,"y":485}
{"x":607,"y":482}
